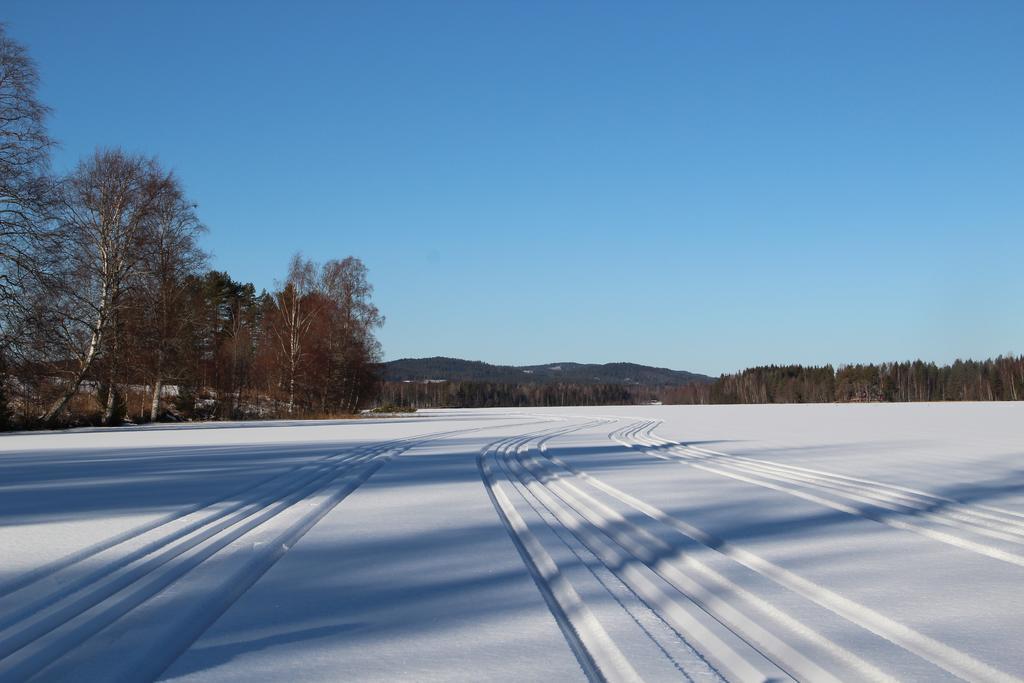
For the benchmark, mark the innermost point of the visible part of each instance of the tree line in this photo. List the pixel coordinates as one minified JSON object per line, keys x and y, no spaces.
{"x":998,"y":379}
{"x":109,"y":310}
{"x":470,"y":394}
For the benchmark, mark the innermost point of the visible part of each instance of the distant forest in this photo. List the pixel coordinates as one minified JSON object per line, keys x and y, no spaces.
{"x":999,"y":379}
{"x":443,"y":394}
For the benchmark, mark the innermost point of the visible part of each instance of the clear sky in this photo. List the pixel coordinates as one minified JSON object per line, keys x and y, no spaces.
{"x":699,"y":185}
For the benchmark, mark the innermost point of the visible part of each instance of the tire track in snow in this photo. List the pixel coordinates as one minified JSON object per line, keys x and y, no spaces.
{"x":162,"y":543}
{"x":45,"y":570}
{"x":666,"y":640}
{"x":50,"y":622}
{"x":875,"y":498}
{"x":690,"y":601}
{"x":599,"y":657}
{"x":34,"y":641}
{"x":1001,"y":524}
{"x":992,"y":521}
{"x":700,"y":587}
{"x":676,"y":598}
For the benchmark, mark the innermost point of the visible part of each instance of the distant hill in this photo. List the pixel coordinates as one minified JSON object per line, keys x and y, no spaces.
{"x":458,"y":370}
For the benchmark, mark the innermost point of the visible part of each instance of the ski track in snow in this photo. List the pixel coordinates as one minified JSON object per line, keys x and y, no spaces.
{"x":639,"y":588}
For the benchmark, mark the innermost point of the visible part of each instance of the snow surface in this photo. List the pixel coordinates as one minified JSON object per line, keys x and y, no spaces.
{"x":811,"y":542}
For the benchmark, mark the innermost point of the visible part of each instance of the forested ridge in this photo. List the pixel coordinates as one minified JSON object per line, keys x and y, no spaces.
{"x":109,"y":309}
{"x":999,"y":379}
{"x":456,"y":369}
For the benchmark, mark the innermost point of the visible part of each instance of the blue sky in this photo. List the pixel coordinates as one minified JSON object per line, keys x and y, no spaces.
{"x":698,"y":185}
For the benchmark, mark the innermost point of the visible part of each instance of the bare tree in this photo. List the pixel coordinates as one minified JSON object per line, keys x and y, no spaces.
{"x":353,"y":348}
{"x":24,"y":182}
{"x":295,"y":314}
{"x":171,"y":255}
{"x":106,"y":207}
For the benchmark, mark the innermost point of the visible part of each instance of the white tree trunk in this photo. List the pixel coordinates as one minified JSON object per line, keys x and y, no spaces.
{"x":90,"y":355}
{"x":154,"y":410}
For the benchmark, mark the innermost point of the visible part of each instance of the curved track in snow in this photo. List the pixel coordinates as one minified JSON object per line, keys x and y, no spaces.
{"x":714,"y":608}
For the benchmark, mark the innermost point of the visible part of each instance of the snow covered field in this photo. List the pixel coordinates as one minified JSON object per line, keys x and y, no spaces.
{"x":814,"y":542}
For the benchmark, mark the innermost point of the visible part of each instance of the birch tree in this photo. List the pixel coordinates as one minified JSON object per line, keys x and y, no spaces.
{"x":106,"y":207}
{"x":353,"y":318}
{"x":295,"y":314}
{"x":171,"y":256}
